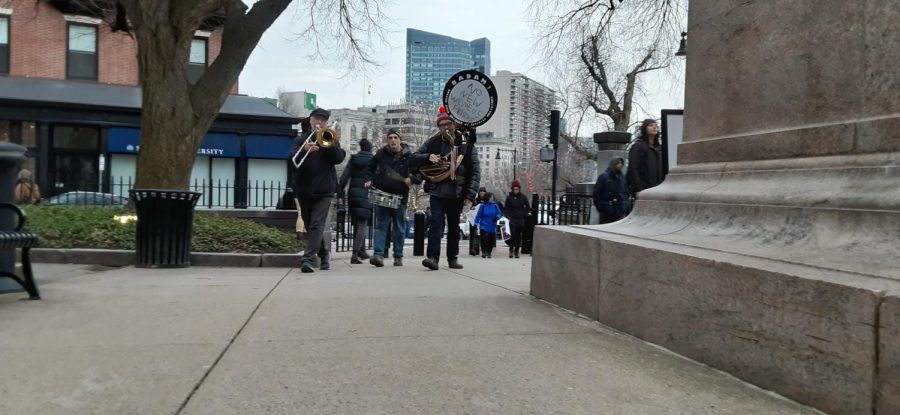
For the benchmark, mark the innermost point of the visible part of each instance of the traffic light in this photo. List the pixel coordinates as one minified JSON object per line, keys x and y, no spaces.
{"x":554,"y":128}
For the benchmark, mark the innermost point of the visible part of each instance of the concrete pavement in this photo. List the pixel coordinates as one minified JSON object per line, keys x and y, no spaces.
{"x":350,"y":340}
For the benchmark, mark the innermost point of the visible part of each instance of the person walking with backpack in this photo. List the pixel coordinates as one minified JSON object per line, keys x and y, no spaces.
{"x":27,"y":192}
{"x":486,"y":219}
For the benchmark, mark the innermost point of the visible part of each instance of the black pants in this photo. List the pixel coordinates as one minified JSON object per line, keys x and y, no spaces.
{"x":442,"y":209}
{"x":488,"y":241}
{"x":473,"y":240}
{"x":360,"y":233}
{"x":315,"y":216}
{"x":517,"y":234}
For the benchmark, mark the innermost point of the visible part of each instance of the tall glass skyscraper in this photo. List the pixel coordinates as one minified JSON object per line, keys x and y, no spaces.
{"x":431,"y":59}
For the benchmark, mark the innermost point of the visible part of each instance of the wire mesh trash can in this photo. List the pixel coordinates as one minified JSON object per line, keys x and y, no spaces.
{"x":164,"y":227}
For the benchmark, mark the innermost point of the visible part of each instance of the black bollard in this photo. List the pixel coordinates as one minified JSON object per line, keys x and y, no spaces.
{"x":419,"y":234}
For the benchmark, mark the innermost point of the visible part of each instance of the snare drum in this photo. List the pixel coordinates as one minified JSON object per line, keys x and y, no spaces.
{"x":384,"y":199}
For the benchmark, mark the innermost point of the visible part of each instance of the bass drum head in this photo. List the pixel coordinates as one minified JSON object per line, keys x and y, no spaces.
{"x":470,"y":98}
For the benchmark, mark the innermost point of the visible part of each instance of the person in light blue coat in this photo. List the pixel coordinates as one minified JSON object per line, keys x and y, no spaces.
{"x":486,"y":220}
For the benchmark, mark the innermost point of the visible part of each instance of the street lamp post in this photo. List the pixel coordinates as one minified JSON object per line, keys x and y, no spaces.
{"x":515,"y":162}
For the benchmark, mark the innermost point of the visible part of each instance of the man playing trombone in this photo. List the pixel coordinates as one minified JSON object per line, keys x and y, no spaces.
{"x":315,"y":184}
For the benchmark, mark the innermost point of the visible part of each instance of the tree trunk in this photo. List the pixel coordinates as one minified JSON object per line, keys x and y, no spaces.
{"x":171,"y":131}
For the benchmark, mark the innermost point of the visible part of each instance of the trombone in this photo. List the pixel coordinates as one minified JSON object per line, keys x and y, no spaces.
{"x":324,"y":137}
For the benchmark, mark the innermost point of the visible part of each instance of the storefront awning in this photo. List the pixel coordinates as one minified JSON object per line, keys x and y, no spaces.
{"x":128,"y":141}
{"x":268,"y":146}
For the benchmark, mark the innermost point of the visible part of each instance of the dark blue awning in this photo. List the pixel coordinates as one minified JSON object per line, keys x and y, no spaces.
{"x":128,"y":141}
{"x":268,"y":146}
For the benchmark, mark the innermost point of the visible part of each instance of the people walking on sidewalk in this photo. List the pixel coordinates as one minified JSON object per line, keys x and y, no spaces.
{"x":517,"y":211}
{"x":645,"y":159}
{"x":27,"y":192}
{"x":391,"y":173}
{"x":474,"y":243}
{"x":356,"y":174}
{"x":611,"y":196}
{"x":486,"y":219}
{"x":452,"y":177}
{"x":315,"y":184}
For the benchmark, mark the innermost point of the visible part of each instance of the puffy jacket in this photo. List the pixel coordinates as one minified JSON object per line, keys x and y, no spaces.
{"x":388,"y":170}
{"x":356,"y":174}
{"x":487,"y":217}
{"x":517,"y":208}
{"x":644,"y":166}
{"x":449,"y":189}
{"x":316,"y":177}
{"x":611,"y":195}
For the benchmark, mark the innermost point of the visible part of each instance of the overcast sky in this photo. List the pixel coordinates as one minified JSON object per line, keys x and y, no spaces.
{"x":280,"y":60}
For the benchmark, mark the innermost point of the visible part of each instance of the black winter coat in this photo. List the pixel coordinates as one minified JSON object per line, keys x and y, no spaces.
{"x":644,"y":166}
{"x":611,"y":196}
{"x":517,"y":208}
{"x":356,"y":174}
{"x":449,"y":189}
{"x":387,"y":171}
{"x":316,"y":178}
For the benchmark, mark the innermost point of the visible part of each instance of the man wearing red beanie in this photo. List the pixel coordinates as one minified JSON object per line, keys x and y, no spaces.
{"x":448,"y":192}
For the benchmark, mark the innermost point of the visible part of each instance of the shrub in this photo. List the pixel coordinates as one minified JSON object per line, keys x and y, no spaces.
{"x":94,"y":227}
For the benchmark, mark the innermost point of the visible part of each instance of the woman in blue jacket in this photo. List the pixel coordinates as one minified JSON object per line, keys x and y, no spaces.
{"x":486,"y":220}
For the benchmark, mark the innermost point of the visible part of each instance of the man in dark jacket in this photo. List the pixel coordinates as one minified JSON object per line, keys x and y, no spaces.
{"x":447,"y":194}
{"x":391,"y":173}
{"x":611,"y":193}
{"x":356,"y":174}
{"x":315,"y":184}
{"x":517,"y":210}
{"x":645,"y":159}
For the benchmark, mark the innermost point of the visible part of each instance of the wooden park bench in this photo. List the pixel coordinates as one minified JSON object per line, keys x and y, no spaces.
{"x":10,"y":240}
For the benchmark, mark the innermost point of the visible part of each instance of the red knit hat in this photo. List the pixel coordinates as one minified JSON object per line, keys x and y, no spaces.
{"x":443,"y":115}
{"x":515,"y":183}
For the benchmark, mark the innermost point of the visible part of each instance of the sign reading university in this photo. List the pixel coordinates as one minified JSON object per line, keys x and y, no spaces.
{"x":470,"y":98}
{"x":128,"y":141}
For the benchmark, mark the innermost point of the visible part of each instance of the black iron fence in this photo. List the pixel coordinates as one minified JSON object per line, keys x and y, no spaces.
{"x":216,"y":194}
{"x":569,"y":209}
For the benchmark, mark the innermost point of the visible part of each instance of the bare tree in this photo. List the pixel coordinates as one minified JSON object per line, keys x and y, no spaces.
{"x":606,"y":45}
{"x":176,"y":114}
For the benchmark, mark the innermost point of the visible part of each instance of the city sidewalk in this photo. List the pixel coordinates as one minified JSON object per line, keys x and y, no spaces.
{"x":350,"y":340}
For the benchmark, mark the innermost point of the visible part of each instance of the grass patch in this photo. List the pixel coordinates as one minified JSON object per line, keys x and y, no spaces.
{"x":93,"y":227}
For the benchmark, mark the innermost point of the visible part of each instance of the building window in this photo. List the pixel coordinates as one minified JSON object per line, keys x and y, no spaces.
{"x":4,"y":45}
{"x":81,"y":57}
{"x":198,"y":60}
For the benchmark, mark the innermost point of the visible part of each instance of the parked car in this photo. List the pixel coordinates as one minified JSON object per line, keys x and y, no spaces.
{"x":87,"y":199}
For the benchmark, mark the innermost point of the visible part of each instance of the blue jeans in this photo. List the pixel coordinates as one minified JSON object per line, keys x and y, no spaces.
{"x":395,"y":218}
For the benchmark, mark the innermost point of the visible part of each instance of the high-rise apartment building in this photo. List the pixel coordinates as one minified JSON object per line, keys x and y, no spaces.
{"x":431,"y":59}
{"x":523,"y":115}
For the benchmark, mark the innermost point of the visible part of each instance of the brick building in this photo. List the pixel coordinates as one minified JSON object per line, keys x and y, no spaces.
{"x":69,"y":92}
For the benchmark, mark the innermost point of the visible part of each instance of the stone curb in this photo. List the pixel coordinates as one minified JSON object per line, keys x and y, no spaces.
{"x":121,"y":258}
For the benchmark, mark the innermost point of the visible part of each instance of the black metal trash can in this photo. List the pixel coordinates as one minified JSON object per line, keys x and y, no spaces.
{"x":164,"y":227}
{"x":419,"y":234}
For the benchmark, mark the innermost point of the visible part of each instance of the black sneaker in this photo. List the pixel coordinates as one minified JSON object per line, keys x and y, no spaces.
{"x":454,"y":264}
{"x":307,"y":267}
{"x":430,"y":263}
{"x":355,"y":260}
{"x":377,"y":261}
{"x":398,"y":262}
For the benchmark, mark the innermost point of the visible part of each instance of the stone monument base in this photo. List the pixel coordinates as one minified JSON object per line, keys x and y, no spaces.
{"x":795,"y":288}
